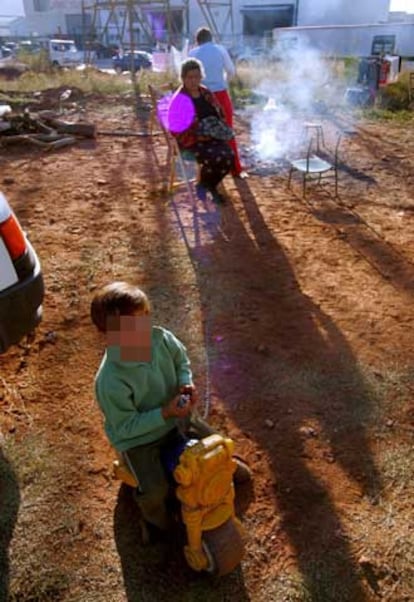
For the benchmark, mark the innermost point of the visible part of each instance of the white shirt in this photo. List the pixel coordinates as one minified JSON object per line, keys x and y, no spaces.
{"x":217,"y":64}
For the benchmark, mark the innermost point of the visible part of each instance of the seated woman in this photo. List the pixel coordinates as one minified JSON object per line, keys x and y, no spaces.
{"x":190,"y":104}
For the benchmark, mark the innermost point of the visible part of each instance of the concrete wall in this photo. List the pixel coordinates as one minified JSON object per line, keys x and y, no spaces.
{"x":344,"y":40}
{"x":342,"y":12}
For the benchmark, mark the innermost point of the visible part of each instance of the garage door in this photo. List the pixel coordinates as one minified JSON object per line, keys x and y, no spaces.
{"x":257,"y":19}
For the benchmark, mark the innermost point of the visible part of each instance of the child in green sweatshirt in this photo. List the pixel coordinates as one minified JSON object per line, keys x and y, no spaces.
{"x":139,"y":384}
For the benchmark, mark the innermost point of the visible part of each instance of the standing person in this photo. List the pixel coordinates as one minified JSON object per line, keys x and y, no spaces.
{"x":219,"y":68}
{"x":189,"y":106}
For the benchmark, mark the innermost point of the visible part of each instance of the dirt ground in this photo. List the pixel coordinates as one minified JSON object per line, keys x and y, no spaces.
{"x":298,"y":315}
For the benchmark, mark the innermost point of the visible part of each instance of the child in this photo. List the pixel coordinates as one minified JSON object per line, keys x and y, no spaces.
{"x":138,"y":385}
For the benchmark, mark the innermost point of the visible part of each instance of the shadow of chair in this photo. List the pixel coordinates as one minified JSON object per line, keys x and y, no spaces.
{"x":314,"y":168}
{"x":181,"y":164}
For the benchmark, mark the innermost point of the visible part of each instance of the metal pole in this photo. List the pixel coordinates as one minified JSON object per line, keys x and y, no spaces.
{"x":134,"y":79}
{"x":83,"y":31}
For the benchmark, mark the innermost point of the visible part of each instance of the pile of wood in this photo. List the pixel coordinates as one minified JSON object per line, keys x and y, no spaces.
{"x":44,"y":129}
{"x":11,"y":69}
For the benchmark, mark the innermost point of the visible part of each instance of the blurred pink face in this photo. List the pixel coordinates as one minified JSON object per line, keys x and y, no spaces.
{"x":133,"y":337}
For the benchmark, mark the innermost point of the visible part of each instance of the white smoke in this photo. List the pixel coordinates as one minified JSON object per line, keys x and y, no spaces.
{"x":301,"y":79}
{"x":178,"y":56}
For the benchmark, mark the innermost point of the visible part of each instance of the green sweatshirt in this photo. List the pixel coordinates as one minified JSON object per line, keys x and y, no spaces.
{"x":131,"y":394}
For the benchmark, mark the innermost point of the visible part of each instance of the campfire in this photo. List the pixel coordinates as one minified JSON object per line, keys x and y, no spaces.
{"x":277,"y":135}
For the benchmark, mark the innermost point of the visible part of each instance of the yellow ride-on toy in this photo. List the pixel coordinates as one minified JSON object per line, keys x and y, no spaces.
{"x":204,"y":477}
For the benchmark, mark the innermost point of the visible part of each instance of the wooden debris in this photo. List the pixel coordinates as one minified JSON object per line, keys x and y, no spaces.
{"x":86,"y":130}
{"x":43,"y":130}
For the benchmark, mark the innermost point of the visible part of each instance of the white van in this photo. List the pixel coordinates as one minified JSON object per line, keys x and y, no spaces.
{"x":63,"y":53}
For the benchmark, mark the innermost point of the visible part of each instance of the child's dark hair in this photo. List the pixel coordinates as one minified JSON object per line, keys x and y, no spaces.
{"x":117,"y":299}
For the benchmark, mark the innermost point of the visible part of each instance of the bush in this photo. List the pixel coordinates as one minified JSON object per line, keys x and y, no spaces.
{"x":38,"y":62}
{"x":395,"y":96}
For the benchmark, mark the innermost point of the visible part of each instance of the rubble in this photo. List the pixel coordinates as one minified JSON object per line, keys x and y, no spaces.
{"x":44,"y":129}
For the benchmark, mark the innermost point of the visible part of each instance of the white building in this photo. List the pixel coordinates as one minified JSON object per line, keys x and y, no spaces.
{"x":53,"y":17}
{"x":233,"y":19}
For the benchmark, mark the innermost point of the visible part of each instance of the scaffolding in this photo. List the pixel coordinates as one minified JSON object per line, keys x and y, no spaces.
{"x":140,"y":23}
{"x":218,"y":15}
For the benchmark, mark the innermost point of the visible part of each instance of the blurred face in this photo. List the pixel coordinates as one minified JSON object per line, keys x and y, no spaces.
{"x":132,"y":334}
{"x":192,"y":80}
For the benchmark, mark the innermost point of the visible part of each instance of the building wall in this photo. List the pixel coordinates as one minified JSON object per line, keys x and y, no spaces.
{"x":49,"y":18}
{"x":304,"y":12}
{"x":343,"y":40}
{"x":342,"y":12}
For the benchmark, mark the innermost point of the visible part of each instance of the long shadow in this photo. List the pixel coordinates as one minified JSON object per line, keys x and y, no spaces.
{"x":305,"y":364}
{"x":159,"y":572}
{"x":9,"y":506}
{"x":382,"y":255}
{"x":344,"y":167}
{"x":355,"y":173}
{"x":148,"y":576}
{"x":377,"y":147}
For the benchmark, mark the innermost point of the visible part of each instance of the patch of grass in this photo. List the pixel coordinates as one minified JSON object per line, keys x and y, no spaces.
{"x":379,"y":114}
{"x":29,"y":576}
{"x":89,"y":80}
{"x":350,"y":68}
{"x":38,"y":61}
{"x":39,"y":584}
{"x":395,"y":96}
{"x":322,"y":583}
{"x":241,"y":93}
{"x":30,"y":459}
{"x":34,"y":574}
{"x":397,"y":465}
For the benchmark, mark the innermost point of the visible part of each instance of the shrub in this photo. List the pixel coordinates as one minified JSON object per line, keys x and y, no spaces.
{"x":395,"y":96}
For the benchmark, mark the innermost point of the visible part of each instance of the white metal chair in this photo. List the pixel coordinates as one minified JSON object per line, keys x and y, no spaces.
{"x":316,"y":128}
{"x":314,"y":168}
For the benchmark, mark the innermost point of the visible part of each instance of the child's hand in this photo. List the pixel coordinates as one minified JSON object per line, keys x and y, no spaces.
{"x":176,"y":408}
{"x":192,"y":391}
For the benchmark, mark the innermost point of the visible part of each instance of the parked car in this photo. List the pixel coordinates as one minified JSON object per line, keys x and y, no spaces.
{"x":5,"y":52}
{"x":29,"y":47}
{"x":21,"y":281}
{"x":141,"y":60}
{"x":64,"y":53}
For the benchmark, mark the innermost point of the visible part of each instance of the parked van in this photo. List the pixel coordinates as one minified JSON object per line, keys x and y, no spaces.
{"x":63,"y":53}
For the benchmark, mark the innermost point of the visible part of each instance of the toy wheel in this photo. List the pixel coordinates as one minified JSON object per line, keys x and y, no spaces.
{"x":224,"y":547}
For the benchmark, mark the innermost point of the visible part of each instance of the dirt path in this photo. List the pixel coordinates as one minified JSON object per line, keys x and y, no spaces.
{"x":298,"y":316}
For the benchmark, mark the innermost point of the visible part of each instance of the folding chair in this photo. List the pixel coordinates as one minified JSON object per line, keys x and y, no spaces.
{"x":314,"y":168}
{"x":181,"y":163}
